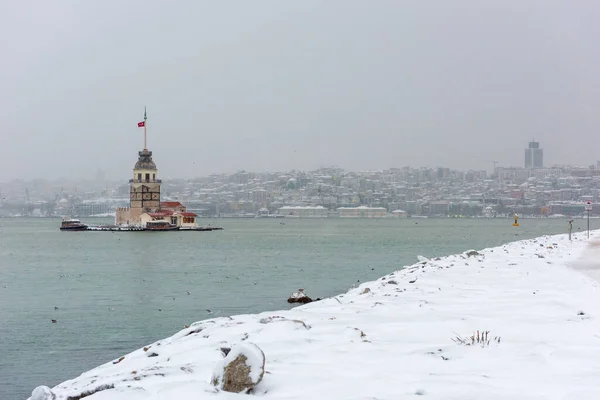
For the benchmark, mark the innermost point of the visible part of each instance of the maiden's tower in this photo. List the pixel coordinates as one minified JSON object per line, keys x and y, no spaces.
{"x":145,"y":208}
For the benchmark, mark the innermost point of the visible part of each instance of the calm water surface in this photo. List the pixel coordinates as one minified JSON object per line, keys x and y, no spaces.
{"x":116,"y":292}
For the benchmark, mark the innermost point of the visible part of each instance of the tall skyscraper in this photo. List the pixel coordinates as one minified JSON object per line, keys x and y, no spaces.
{"x":534,"y":156}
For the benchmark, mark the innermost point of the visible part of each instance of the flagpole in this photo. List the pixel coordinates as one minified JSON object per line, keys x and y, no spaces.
{"x":145,"y":123}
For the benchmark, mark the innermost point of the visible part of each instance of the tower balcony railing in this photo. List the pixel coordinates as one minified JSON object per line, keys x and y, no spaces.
{"x":145,"y":181}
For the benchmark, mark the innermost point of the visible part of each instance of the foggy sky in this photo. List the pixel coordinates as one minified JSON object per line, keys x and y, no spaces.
{"x":275,"y":85}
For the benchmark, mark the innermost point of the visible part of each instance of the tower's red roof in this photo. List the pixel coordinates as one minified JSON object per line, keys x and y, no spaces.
{"x":188,"y":214}
{"x":171,"y":204}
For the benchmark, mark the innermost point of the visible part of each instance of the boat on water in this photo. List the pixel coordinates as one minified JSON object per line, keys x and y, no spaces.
{"x":160,"y":226}
{"x":70,"y":224}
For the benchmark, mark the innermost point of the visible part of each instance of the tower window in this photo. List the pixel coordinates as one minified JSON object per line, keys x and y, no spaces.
{"x":139,"y":177}
{"x":147,"y":177}
{"x":153,"y":176}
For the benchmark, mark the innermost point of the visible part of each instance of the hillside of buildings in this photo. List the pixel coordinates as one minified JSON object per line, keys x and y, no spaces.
{"x":331,"y":192}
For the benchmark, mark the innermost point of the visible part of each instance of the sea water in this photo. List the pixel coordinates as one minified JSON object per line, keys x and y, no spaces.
{"x":118,"y":291}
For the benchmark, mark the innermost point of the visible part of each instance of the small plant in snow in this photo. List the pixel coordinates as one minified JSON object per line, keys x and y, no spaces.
{"x":479,"y":338}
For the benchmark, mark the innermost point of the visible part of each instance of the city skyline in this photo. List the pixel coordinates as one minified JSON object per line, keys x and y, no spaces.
{"x":533,"y":160}
{"x":279,"y":85}
{"x":490,"y":167}
{"x":322,"y":193}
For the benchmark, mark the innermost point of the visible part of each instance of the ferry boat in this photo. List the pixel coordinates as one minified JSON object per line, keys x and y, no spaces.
{"x":69,"y":224}
{"x":160,"y":226}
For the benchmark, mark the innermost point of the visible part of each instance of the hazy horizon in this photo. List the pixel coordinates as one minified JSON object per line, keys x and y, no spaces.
{"x":273,"y":86}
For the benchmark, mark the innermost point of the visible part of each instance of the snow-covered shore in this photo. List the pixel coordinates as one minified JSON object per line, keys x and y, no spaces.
{"x":396,"y":337}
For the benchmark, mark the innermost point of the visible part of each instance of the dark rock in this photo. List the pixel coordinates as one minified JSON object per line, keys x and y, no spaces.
{"x":225,"y":351}
{"x":299,"y":297}
{"x":302,"y":300}
{"x":194,"y":331}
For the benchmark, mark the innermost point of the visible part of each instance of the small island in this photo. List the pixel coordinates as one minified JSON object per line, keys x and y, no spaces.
{"x":146,"y":211}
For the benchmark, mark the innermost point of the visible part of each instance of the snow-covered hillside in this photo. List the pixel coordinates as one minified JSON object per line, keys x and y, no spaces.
{"x":536,"y":304}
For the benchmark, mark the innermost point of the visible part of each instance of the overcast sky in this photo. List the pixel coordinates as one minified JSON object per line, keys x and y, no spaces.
{"x":276,"y":85}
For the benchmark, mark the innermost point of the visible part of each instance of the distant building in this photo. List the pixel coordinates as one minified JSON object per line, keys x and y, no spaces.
{"x":513,"y":174}
{"x":362,"y":212}
{"x":260,"y":196}
{"x":87,"y":209}
{"x":443,"y":173}
{"x":399,"y":214}
{"x":440,"y":207}
{"x":303,"y":211}
{"x":534,"y":156}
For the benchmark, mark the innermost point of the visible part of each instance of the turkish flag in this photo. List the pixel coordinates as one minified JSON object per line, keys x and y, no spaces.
{"x":141,"y":124}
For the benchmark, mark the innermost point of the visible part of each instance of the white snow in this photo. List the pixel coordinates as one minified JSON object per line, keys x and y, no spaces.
{"x":422,"y":259}
{"x":538,"y":299}
{"x":42,"y":393}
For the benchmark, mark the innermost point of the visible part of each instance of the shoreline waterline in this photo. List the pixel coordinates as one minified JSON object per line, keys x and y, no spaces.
{"x":413,"y":290}
{"x":119,"y":292}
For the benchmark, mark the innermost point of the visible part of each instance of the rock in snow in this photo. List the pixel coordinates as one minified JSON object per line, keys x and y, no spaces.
{"x":472,"y":253}
{"x":42,"y":393}
{"x":399,"y":341}
{"x":299,"y":297}
{"x":241,"y":370}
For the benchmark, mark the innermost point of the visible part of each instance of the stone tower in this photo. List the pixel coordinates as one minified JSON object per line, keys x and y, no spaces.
{"x":144,"y":188}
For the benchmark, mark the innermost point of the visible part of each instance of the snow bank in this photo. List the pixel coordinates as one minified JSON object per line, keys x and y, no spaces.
{"x":414,"y":332}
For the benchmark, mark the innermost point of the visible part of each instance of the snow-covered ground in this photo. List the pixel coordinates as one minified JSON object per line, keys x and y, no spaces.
{"x":400,"y":336}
